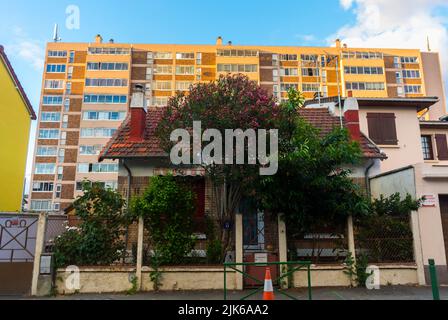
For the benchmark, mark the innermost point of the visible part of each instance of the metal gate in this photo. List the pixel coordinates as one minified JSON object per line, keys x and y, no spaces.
{"x":17,"y":246}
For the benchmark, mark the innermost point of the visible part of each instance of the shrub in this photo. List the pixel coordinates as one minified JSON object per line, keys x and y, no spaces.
{"x":167,"y":208}
{"x":97,"y":239}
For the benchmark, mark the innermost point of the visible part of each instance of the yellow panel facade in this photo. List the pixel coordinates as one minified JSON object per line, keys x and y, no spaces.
{"x":14,"y":132}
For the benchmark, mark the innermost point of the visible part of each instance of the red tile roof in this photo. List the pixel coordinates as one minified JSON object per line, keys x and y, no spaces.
{"x":120,"y":147}
{"x":325,"y":122}
{"x":9,"y":67}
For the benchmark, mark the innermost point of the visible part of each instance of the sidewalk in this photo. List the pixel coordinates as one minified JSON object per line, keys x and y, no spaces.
{"x":386,"y":293}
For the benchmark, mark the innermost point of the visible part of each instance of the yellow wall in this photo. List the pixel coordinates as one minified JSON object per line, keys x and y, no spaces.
{"x":15,"y":124}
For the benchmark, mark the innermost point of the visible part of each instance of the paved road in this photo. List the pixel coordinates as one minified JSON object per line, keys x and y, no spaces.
{"x":386,"y":293}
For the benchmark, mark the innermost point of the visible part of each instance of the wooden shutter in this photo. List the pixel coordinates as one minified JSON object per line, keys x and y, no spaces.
{"x":442,"y":147}
{"x":390,"y":129}
{"x":382,"y":128}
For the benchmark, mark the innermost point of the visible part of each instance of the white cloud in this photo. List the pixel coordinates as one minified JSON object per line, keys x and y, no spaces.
{"x":29,"y":50}
{"x":306,"y":37}
{"x":396,"y":24}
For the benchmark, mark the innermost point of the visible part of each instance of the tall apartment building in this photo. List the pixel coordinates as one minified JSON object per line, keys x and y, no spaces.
{"x":87,"y":86}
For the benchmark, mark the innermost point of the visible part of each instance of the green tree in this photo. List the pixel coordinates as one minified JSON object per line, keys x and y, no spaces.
{"x":97,"y":240}
{"x":167,"y":208}
{"x":313,"y":188}
{"x":231,"y":102}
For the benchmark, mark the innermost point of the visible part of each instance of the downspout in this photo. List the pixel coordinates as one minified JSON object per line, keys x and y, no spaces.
{"x":366,"y":176}
{"x":128,"y":197}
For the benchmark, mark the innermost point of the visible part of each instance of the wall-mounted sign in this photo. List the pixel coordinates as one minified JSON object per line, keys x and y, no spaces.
{"x":261,"y":258}
{"x":430,"y":201}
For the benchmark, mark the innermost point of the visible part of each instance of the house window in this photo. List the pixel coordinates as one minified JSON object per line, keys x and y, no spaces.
{"x":185,"y":56}
{"x":382,"y":128}
{"x":43,"y":186}
{"x":428,"y":153}
{"x":56,"y":68}
{"x":41,"y":205}
{"x":45,"y":168}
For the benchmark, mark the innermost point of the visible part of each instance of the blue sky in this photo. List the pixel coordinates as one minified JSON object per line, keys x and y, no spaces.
{"x":25,"y":26}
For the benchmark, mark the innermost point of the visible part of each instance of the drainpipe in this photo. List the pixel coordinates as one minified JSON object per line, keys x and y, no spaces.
{"x":366,"y":175}
{"x":128,"y":194}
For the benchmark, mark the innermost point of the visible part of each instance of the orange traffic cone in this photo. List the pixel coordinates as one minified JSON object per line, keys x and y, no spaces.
{"x":268,"y":287}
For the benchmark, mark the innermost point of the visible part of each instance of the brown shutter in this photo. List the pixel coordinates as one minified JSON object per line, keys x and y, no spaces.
{"x":382,"y":128}
{"x":373,"y":122}
{"x":390,"y":129}
{"x":442,"y":146}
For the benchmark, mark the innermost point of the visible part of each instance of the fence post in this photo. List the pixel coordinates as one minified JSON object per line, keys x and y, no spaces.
{"x":283,"y":249}
{"x":434,"y":281}
{"x":138,"y":273}
{"x":40,"y":239}
{"x":239,"y":248}
{"x":351,"y":238}
{"x":418,"y":252}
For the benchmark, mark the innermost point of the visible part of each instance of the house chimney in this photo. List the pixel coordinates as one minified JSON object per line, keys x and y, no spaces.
{"x":351,"y":115}
{"x":98,"y":39}
{"x":138,"y":114}
{"x":338,"y":43}
{"x":111,"y":41}
{"x":230,"y":43}
{"x":219,"y":41}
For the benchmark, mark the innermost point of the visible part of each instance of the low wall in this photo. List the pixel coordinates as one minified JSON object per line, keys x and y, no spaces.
{"x":334,"y":276}
{"x":119,"y":279}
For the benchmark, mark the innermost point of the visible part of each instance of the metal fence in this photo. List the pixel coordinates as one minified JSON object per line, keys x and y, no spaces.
{"x":385,"y":239}
{"x":323,"y":246}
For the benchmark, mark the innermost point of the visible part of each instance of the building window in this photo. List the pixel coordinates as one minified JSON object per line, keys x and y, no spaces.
{"x":90,"y":150}
{"x":43,"y":186}
{"x":364,"y":70}
{"x":288,"y":57}
{"x":288,"y":72}
{"x":52,"y":134}
{"x":107,"y":66}
{"x":442,"y":147}
{"x":58,"y":191}
{"x":285,"y":87}
{"x":46,"y":151}
{"x":52,"y":100}
{"x":163,"y":85}
{"x":248,"y":68}
{"x":308,"y":57}
{"x":97,"y":132}
{"x":411,"y":74}
{"x":365,"y":86}
{"x":41,"y":205}
{"x":105,"y":99}
{"x":57,"y":54}
{"x":382,"y":128}
{"x":237,"y":53}
{"x":56,"y":68}
{"x":362,"y":55}
{"x":159,"y":101}
{"x":50,"y":117}
{"x":409,"y":60}
{"x":185,"y":56}
{"x":310,"y":72}
{"x":97,"y":168}
{"x":185,"y":70}
{"x":183,"y":85}
{"x":163,"y":55}
{"x":60,"y":173}
{"x":103,"y":115}
{"x":71,"y":58}
{"x":413,"y":89}
{"x":106,"y":82}
{"x":163,"y":69}
{"x":109,"y":51}
{"x":428,"y":153}
{"x":45,"y":168}
{"x":54,"y":84}
{"x":311,"y":87}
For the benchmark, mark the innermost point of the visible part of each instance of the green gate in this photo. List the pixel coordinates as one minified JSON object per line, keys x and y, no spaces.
{"x":292,"y":267}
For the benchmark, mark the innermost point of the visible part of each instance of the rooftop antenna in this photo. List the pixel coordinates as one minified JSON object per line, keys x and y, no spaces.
{"x":56,"y":37}
{"x":427,"y":42}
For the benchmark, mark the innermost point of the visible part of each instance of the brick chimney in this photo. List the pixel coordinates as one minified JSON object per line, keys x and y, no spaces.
{"x":138,"y":114}
{"x":98,"y":38}
{"x":219,"y":41}
{"x":351,"y":115}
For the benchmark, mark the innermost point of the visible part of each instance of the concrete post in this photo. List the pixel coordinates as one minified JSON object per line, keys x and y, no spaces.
{"x":40,"y":239}
{"x":138,"y":273}
{"x":239,"y":247}
{"x":283,"y":250}
{"x":418,"y":252}
{"x":351,"y":238}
